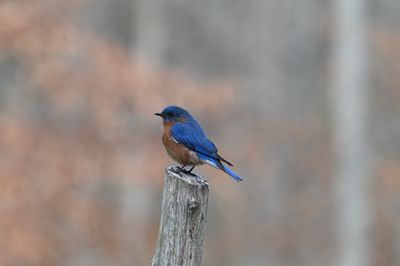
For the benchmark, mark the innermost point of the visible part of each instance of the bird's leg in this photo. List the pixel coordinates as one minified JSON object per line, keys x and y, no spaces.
{"x":182,"y":168}
{"x":188,"y":172}
{"x":198,"y":178}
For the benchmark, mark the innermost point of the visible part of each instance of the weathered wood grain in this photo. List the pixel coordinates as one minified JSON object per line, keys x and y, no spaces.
{"x":183,"y":219}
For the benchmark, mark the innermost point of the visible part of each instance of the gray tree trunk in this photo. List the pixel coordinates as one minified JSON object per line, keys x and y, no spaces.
{"x":149,"y":30}
{"x":183,"y":219}
{"x":350,"y":107}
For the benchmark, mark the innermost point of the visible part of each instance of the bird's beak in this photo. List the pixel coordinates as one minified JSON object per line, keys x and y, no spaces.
{"x":159,"y":114}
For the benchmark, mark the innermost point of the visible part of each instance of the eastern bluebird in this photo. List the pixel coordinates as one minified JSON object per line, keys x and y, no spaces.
{"x":186,"y":143}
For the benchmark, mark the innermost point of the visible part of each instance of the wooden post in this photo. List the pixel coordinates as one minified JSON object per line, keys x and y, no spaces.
{"x":183,"y":219}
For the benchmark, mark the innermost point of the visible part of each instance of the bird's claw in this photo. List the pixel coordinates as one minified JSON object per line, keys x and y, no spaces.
{"x":188,"y":172}
{"x":179,"y":170}
{"x":176,"y":169}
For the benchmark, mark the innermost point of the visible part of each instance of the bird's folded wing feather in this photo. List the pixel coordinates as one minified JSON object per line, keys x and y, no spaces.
{"x":192,"y":136}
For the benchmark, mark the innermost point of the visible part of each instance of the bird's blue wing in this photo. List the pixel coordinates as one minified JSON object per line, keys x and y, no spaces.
{"x":192,"y":136}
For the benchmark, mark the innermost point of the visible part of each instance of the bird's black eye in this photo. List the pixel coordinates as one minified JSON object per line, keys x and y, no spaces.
{"x":171,"y":114}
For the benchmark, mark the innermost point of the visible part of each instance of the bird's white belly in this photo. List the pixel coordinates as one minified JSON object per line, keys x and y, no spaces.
{"x":194,"y":159}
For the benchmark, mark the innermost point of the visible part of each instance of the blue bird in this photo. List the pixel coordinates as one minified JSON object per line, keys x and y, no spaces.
{"x":186,"y":143}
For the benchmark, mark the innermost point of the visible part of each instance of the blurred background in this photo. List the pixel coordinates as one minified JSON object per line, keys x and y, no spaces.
{"x":302,"y":96}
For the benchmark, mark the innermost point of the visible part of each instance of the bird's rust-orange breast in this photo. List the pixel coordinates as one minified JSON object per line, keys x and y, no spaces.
{"x":176,"y":151}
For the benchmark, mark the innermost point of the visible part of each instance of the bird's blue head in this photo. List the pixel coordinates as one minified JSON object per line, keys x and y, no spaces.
{"x":175,"y":114}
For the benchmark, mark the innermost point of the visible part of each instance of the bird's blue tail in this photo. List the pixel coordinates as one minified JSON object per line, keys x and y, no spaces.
{"x":231,"y":173}
{"x":217,"y":164}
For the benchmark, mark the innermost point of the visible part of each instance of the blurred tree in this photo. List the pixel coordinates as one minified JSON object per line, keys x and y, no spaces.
{"x":350,"y":108}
